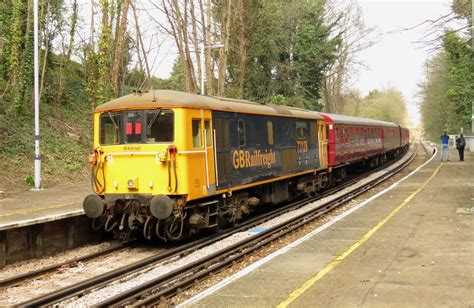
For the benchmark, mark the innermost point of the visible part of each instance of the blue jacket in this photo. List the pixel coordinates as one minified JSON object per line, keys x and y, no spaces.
{"x":444,"y":139}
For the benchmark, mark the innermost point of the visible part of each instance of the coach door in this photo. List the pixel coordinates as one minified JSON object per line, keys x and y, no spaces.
{"x":222,"y":150}
{"x":307,"y":141}
{"x":314,"y":145}
{"x":199,"y":153}
{"x":209,"y":151}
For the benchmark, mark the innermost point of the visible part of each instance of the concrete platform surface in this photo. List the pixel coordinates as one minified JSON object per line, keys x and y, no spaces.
{"x":411,"y":247}
{"x":34,"y":207}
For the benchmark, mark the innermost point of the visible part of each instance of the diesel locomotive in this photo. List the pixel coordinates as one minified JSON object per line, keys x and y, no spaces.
{"x":169,"y":164}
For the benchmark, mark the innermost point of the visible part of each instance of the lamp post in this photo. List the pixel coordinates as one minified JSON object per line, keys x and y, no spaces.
{"x":37,"y":98}
{"x":203,"y":62}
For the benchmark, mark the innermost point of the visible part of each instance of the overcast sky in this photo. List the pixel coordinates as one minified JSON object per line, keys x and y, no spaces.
{"x":396,"y":60}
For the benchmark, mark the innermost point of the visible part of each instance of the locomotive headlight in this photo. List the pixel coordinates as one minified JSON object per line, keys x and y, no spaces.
{"x":132,"y":183}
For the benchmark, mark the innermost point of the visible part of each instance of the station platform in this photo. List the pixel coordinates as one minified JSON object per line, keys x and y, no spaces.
{"x":411,"y":246}
{"x":35,"y":207}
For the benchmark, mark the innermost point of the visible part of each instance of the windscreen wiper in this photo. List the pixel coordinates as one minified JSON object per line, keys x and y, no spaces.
{"x":154,"y":118}
{"x":112,"y":118}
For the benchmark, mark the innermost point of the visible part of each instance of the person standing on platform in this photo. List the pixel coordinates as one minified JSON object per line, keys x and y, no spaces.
{"x":444,"y":146}
{"x":460,"y":145}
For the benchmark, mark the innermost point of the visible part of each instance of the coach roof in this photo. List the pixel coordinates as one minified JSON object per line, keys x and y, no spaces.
{"x":344,"y":119}
{"x":169,"y":98}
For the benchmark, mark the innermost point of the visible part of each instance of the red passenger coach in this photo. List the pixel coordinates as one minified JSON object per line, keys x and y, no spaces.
{"x":353,"y":139}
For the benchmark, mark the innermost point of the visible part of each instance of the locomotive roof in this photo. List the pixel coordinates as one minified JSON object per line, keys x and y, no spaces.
{"x":169,"y":98}
{"x":344,"y":119}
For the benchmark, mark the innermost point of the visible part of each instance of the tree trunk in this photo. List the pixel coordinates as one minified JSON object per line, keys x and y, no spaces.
{"x":66,"y":54}
{"x":73,"y":30}
{"x":14,"y":55}
{"x":207,"y":42}
{"x":197,"y":49}
{"x":243,"y":42}
{"x":172,"y":19}
{"x":181,"y":26}
{"x":225,"y":31}
{"x":90,"y":62}
{"x":120,"y":39}
{"x":140,"y":40}
{"x":103,"y":84}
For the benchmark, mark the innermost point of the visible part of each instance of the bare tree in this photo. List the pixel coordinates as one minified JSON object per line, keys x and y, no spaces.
{"x":206,"y":28}
{"x":197,"y":53}
{"x":119,"y":46}
{"x":178,"y":21}
{"x":90,"y":60}
{"x":140,"y":45}
{"x":224,"y":36}
{"x":67,"y":51}
{"x":349,"y":26}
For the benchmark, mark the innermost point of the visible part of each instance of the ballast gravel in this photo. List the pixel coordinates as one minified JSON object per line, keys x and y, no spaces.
{"x":144,"y":276}
{"x":67,"y":275}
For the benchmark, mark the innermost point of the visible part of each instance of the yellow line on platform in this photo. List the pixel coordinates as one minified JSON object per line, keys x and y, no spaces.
{"x":37,"y":209}
{"x":331,"y":265}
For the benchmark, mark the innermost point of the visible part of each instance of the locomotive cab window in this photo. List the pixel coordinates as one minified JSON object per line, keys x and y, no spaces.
{"x":197,"y":133}
{"x":241,"y":132}
{"x":159,"y":126}
{"x":110,"y":124}
{"x":207,"y":128}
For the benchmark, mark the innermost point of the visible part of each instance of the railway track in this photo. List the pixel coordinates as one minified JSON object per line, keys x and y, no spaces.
{"x":49,"y":269}
{"x":169,"y":284}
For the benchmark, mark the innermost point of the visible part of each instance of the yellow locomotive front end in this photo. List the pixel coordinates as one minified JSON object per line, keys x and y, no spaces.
{"x":133,"y":151}
{"x":145,"y":167}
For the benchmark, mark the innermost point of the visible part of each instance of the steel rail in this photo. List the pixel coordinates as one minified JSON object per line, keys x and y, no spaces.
{"x":192,"y":273}
{"x":29,"y":275}
{"x":85,"y":286}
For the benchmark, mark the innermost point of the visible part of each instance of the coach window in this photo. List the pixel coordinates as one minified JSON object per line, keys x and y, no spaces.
{"x":197,"y":133}
{"x":241,"y":132}
{"x":159,"y":126}
{"x":110,"y":124}
{"x":270,"y":132}
{"x":301,"y":129}
{"x":207,"y":127}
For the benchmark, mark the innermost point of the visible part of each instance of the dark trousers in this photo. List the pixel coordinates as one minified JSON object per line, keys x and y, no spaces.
{"x":461,"y":154}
